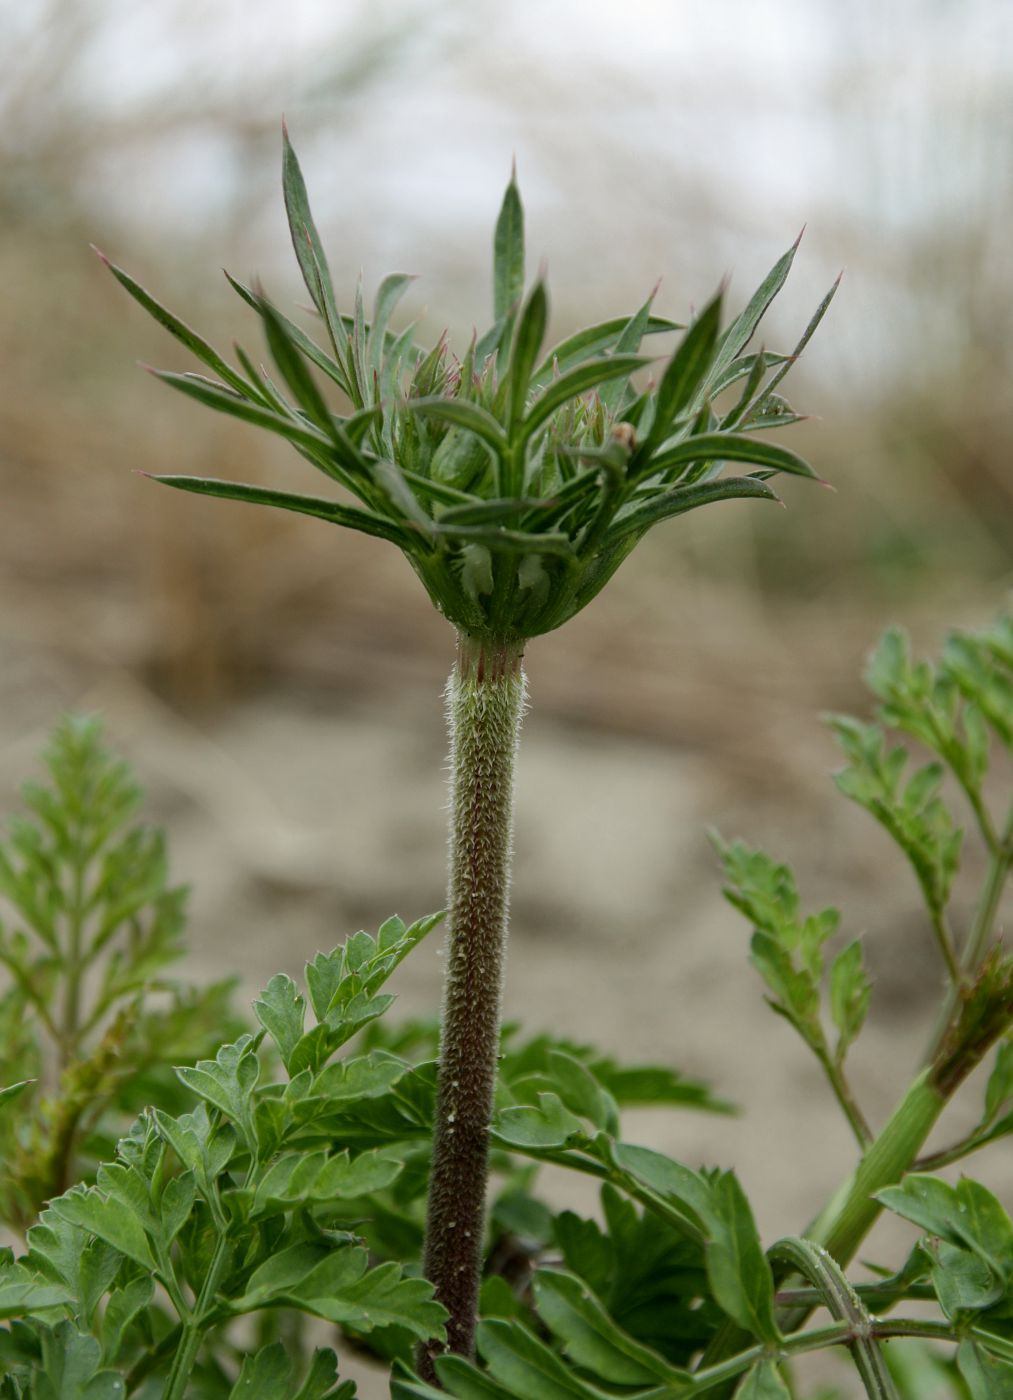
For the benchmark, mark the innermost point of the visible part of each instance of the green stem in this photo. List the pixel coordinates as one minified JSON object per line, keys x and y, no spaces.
{"x":194,"y":1325}
{"x":75,"y":932}
{"x":845,"y":1222}
{"x":849,"y":1105}
{"x":818,"y":1339}
{"x":944,"y":938}
{"x":1000,"y":860}
{"x":485,"y":700}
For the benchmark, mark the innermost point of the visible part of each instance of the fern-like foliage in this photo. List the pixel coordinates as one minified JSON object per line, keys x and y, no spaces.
{"x":90,"y":1019}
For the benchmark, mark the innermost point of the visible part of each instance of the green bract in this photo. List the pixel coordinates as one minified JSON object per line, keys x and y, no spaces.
{"x":516,"y":480}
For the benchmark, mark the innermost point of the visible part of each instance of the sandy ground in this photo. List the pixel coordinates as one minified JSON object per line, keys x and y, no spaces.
{"x":303,"y":812}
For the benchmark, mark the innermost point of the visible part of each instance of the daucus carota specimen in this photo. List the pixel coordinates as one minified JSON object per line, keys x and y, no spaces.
{"x":516,"y":480}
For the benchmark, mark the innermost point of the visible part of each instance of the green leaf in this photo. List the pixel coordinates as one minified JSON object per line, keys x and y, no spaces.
{"x":741,"y":329}
{"x":850,"y":990}
{"x":737,"y":1267}
{"x":785,"y":362}
{"x":364,"y":1077}
{"x":685,"y":498}
{"x":796,"y":995}
{"x":988,"y":1377}
{"x":293,"y":369}
{"x":684,"y":372}
{"x":458,"y":1377}
{"x":306,"y":242}
{"x":580,"y":1091}
{"x":677,"y":1185}
{"x":549,"y":1125}
{"x":526,"y":1366}
{"x":14,"y":1091}
{"x":322,"y":1378}
{"x":391,"y":290}
{"x":729,"y":447}
{"x":595,"y":341}
{"x":294,"y":430}
{"x":763,"y":1382}
{"x":227,"y":1082}
{"x":629,"y":343}
{"x":264,"y":1376}
{"x":69,"y":1368}
{"x":463,"y":415}
{"x":967,"y":1215}
{"x":302,"y":1177}
{"x":510,"y":541}
{"x":204,"y":1150}
{"x":508,"y":252}
{"x":963,"y":1282}
{"x":592,"y":1339}
{"x":281,"y":1010}
{"x":349,"y":516}
{"x":527,"y":343}
{"x":299,"y":338}
{"x":86,"y":1207}
{"x":20,"y":1296}
{"x":195,"y":343}
{"x":124,"y":1305}
{"x":338,"y":1286}
{"x":575,"y":382}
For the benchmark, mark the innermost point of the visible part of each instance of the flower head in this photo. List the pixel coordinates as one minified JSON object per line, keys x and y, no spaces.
{"x":515,"y":479}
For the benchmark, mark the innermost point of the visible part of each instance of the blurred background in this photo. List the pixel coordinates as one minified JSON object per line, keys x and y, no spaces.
{"x":278,"y":682}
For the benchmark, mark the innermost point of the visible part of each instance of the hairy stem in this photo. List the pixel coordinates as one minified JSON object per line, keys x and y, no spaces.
{"x":485,"y":699}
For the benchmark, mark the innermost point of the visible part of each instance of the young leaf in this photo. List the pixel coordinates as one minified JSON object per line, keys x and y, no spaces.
{"x":265,"y":1376}
{"x":391,"y":290}
{"x":527,"y":342}
{"x":350,"y":516}
{"x":309,"y":250}
{"x":629,"y":343}
{"x":508,"y":252}
{"x":294,"y":371}
{"x":741,"y":330}
{"x":575,"y":382}
{"x":463,"y":415}
{"x":677,"y":1185}
{"x":737,"y":1268}
{"x":526,"y":1367}
{"x":195,"y":343}
{"x":338,"y":1286}
{"x":592,"y":1339}
{"x":321,"y":1381}
{"x":685,"y":498}
{"x":87,"y":1208}
{"x":281,"y":1010}
{"x":967,"y":1215}
{"x":595,"y":341}
{"x":763,"y":1382}
{"x":850,"y":990}
{"x":729,"y":447}
{"x":300,"y":434}
{"x":685,"y":372}
{"x":549,"y":1125}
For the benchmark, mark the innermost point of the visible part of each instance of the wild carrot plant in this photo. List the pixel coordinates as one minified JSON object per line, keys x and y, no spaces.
{"x":516,"y":480}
